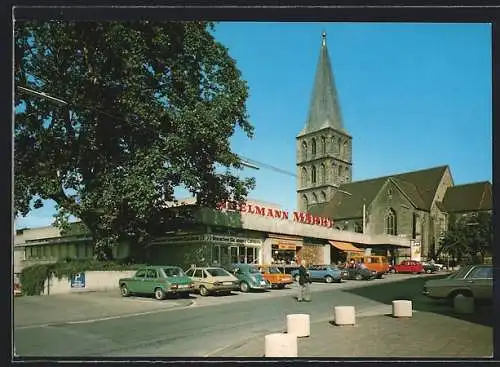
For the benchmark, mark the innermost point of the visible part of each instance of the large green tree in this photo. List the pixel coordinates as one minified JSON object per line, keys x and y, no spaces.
{"x":468,"y":237}
{"x":151,"y":107}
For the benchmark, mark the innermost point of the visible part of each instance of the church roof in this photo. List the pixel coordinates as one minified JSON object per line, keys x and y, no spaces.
{"x":324,"y":109}
{"x":420,"y":187}
{"x":475,"y":196}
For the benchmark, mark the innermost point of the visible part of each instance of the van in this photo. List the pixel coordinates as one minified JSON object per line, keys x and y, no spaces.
{"x":376,"y":263}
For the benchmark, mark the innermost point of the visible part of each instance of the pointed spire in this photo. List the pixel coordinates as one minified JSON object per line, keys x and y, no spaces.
{"x":324,"y":110}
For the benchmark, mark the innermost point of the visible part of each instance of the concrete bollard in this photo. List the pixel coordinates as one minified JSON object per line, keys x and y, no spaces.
{"x":463,"y":304}
{"x":281,"y":345}
{"x":298,"y":325}
{"x":344,"y":315}
{"x":402,"y":308}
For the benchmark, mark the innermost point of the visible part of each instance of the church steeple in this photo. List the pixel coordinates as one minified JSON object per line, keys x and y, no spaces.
{"x":324,"y":110}
{"x":324,"y":149}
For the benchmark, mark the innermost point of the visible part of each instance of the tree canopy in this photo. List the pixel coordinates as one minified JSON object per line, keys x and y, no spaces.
{"x":150,"y":107}
{"x":468,"y":237}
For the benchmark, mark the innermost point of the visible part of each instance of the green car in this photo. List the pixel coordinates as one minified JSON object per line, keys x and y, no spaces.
{"x":157,"y":280}
{"x":249,"y":277}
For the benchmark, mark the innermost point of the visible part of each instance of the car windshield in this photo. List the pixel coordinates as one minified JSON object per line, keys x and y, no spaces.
{"x":251,"y":269}
{"x":173,"y":272}
{"x":460,"y":273}
{"x":274,"y":270}
{"x":216,"y":272}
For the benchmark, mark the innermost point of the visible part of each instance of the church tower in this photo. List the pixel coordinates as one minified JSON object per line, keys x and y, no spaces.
{"x":324,"y":148}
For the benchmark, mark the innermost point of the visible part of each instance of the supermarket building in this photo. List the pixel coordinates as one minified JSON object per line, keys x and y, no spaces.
{"x":254,"y":232}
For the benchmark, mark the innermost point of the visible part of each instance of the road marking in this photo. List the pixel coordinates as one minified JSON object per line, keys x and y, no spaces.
{"x":89,"y":321}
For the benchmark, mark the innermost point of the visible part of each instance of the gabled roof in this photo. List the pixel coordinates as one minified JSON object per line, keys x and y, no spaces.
{"x":324,"y":110}
{"x":420,"y":187}
{"x":475,"y":196}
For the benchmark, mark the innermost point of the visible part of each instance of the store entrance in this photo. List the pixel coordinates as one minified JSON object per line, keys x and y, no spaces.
{"x":284,"y":255}
{"x":243,"y":254}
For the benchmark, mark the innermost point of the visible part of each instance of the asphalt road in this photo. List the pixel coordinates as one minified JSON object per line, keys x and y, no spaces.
{"x":206,"y":327}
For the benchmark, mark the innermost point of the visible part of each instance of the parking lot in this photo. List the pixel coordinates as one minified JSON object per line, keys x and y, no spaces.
{"x":90,"y":306}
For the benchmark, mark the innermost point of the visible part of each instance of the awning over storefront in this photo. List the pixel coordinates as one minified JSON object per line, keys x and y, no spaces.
{"x":345,"y":246}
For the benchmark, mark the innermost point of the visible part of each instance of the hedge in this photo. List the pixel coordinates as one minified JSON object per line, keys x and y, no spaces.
{"x":33,"y":277}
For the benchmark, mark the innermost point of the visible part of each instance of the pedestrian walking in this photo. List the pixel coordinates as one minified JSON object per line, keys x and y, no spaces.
{"x":304,"y":283}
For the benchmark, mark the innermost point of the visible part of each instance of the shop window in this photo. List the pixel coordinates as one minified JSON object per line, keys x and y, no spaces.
{"x":233,"y":254}
{"x":216,"y":254}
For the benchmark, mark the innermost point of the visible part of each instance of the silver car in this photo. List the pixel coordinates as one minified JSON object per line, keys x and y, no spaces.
{"x":471,"y":281}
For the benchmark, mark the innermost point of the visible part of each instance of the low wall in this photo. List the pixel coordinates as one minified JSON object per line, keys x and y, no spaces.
{"x":88,"y":281}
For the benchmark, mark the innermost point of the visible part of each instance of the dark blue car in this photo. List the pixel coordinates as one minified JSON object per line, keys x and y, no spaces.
{"x":322,"y":273}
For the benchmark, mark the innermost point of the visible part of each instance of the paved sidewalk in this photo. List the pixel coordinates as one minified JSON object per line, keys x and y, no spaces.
{"x":424,"y":335}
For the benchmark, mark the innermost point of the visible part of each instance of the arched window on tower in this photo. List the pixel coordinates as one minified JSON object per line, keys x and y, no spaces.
{"x":315,"y":198}
{"x":322,"y":174}
{"x":305,"y":202}
{"x":391,"y":222}
{"x":339,"y":147}
{"x":313,"y":175}
{"x":304,"y":151}
{"x":339,"y":171}
{"x":344,"y":149}
{"x":323,"y":145}
{"x":346,"y":174}
{"x":313,"y":147}
{"x":323,"y":196}
{"x":303,"y":177}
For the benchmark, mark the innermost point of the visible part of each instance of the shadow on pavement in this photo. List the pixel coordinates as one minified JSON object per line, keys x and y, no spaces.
{"x":411,"y":289}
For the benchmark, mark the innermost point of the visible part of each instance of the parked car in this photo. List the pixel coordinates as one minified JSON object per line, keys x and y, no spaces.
{"x":409,"y":266}
{"x":249,"y":277}
{"x":470,"y":280}
{"x":430,"y":267}
{"x":159,"y":281}
{"x":17,"y":287}
{"x":357,"y":273}
{"x":274,"y":276}
{"x":212,"y":280}
{"x":377,"y":263}
{"x":322,"y":273}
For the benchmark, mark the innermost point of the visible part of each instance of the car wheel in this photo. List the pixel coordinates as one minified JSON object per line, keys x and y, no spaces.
{"x":244,"y":287}
{"x":281,"y":286}
{"x":380,"y":276}
{"x":203,"y":291}
{"x":328,"y":279}
{"x":452,"y":296}
{"x":428,"y":271}
{"x":297,"y":278}
{"x":392,"y":271}
{"x":358,"y":277}
{"x":159,"y":294}
{"x":124,"y":290}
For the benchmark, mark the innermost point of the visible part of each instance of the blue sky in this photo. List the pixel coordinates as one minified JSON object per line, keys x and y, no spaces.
{"x":413,"y":96}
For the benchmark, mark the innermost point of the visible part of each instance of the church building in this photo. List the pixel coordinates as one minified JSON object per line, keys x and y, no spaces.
{"x":414,"y":205}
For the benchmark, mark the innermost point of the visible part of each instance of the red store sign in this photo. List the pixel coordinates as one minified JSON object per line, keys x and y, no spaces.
{"x":300,"y":217}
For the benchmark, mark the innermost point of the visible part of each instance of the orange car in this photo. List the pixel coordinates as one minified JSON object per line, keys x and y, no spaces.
{"x":377,"y":263}
{"x":274,"y":276}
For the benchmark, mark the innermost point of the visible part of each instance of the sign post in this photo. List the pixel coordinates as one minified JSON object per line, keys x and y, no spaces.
{"x":78,"y":280}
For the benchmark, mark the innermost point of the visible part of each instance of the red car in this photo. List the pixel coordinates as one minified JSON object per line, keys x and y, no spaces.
{"x":409,"y":266}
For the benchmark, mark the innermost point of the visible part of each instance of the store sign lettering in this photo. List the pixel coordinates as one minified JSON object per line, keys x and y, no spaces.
{"x":300,"y":217}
